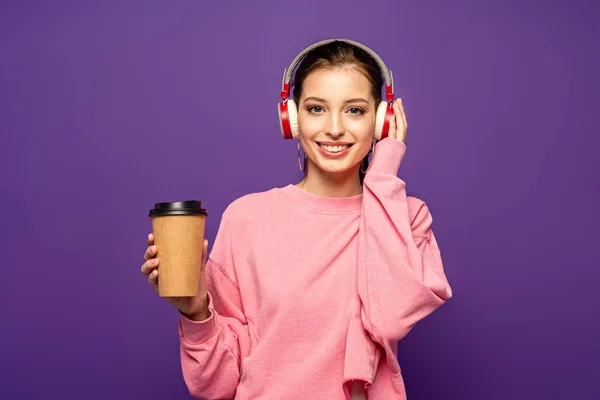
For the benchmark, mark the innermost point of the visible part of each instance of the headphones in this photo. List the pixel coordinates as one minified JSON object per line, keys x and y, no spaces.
{"x":287,"y":109}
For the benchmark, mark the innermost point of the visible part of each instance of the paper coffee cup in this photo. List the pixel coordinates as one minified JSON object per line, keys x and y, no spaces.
{"x":178,"y":229}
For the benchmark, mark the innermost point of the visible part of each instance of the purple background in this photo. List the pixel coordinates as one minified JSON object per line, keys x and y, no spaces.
{"x":107,"y":108}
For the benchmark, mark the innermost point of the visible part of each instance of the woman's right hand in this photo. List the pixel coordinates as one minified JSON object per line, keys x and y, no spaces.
{"x":194,"y":308}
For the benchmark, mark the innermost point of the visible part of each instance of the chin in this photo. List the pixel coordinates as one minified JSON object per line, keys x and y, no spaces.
{"x":337,"y":167}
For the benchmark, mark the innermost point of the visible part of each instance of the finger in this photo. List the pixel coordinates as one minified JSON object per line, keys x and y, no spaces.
{"x":400,"y":131}
{"x":392,"y":128}
{"x":153,"y":278}
{"x":399,"y":121}
{"x":398,"y":113}
{"x":149,"y":266}
{"x":204,"y":253}
{"x":150,"y":252}
{"x":403,"y":114}
{"x":150,"y":239}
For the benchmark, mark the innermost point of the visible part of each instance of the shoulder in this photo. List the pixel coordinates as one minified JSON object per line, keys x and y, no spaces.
{"x":250,"y":206}
{"x":419,"y":215}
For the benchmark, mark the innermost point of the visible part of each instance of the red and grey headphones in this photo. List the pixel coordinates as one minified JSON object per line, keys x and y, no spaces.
{"x":288,"y":111}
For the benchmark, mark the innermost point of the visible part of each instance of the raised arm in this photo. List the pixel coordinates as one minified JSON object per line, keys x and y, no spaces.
{"x":401,"y":277}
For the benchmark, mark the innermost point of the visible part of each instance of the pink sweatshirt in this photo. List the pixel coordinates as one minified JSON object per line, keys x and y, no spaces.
{"x":309,"y":295}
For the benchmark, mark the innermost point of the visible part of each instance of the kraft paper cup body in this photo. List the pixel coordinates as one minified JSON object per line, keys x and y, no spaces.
{"x":179,"y":237}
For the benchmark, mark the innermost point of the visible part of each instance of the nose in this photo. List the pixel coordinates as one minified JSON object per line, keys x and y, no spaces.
{"x":335,"y":128}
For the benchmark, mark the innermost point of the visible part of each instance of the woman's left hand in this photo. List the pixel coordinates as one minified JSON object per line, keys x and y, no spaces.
{"x":398,"y":124}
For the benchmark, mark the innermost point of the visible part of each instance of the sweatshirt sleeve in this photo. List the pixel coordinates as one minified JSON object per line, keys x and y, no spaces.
{"x":211,"y":350}
{"x":401,"y":278}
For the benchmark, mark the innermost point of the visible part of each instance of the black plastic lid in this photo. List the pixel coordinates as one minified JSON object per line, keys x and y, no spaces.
{"x":188,"y":207}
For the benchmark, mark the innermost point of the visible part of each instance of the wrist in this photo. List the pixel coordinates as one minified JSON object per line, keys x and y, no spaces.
{"x":197,"y":328}
{"x":388,"y":156}
{"x":198,"y":316}
{"x":198,"y":313}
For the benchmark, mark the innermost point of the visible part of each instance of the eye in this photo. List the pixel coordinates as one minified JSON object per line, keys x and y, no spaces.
{"x":356,"y":111}
{"x":315,"y":109}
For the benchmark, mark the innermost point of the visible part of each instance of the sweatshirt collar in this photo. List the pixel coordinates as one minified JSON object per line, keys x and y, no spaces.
{"x":321,"y":203}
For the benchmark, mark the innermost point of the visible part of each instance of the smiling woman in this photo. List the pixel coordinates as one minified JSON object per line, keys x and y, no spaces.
{"x":343,"y":81}
{"x":336,"y":117}
{"x":309,"y":287}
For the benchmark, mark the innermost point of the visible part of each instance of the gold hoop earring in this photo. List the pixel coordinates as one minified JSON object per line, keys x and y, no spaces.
{"x":302,"y":166}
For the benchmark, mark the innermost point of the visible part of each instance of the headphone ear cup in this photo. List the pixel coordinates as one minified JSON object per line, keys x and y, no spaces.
{"x":382,"y":120}
{"x":288,"y":119}
{"x":293,"y":117}
{"x":282,"y":112}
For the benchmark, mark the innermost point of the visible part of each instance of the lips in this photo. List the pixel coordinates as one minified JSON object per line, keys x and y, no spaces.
{"x":334,"y":149}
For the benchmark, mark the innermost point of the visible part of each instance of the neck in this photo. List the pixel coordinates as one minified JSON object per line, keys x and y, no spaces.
{"x":325,"y":184}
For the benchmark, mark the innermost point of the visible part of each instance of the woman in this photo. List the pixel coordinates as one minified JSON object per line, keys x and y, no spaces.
{"x":309,"y":287}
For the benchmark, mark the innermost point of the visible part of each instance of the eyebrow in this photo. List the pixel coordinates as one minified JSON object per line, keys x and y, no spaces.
{"x":354,"y":100}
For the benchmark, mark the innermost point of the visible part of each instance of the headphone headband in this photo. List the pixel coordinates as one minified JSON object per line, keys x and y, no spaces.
{"x":387,"y":74}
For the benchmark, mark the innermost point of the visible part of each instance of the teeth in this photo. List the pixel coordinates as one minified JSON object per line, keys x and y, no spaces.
{"x":335,"y":149}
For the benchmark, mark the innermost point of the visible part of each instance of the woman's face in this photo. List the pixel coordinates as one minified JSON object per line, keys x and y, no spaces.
{"x":336,"y":119}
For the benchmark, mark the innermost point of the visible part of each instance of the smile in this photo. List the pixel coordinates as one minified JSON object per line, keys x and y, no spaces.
{"x":334,"y":150}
